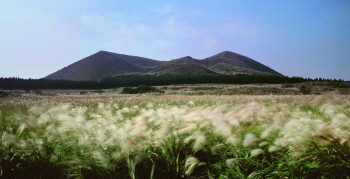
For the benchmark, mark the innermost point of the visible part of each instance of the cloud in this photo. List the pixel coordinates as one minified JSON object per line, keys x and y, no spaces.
{"x":165,"y":44}
{"x":171,"y":27}
{"x":176,"y":33}
{"x":109,"y":30}
{"x":209,"y":44}
{"x":179,"y":30}
{"x":236,"y":30}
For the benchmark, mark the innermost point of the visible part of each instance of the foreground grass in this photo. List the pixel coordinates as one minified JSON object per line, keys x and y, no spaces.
{"x":128,"y":136}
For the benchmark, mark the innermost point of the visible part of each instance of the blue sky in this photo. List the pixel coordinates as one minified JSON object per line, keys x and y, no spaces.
{"x":296,"y":37}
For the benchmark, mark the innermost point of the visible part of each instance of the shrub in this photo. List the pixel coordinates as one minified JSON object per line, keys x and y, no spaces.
{"x":145,"y":89}
{"x":287,"y":86}
{"x":305,"y":89}
{"x":3,"y":94}
{"x":128,"y":90}
{"x":141,"y":89}
{"x":38,"y":92}
{"x":98,"y":91}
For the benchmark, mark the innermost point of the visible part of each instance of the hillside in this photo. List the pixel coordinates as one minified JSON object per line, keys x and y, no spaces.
{"x":106,"y":64}
{"x":231,"y":63}
{"x":182,"y":66}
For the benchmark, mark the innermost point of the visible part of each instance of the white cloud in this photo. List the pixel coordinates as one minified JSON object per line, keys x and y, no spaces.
{"x":165,"y":44}
{"x":241,"y":30}
{"x":109,"y":30}
{"x":209,"y":44}
{"x":171,"y":27}
{"x":178,"y":30}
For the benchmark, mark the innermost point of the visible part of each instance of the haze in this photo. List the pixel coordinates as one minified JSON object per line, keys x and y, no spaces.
{"x":295,"y":38}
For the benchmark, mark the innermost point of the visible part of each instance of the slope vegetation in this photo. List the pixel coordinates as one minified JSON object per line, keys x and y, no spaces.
{"x":106,"y":64}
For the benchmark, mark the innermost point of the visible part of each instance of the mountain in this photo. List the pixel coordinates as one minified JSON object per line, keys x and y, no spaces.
{"x":230,"y":63}
{"x":106,"y":64}
{"x":182,"y":66}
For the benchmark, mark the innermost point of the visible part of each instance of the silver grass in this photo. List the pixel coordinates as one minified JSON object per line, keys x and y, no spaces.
{"x":101,"y":106}
{"x":191,"y":163}
{"x":75,"y":167}
{"x":216,"y":149}
{"x":10,"y":129}
{"x":100,"y":158}
{"x":250,"y":140}
{"x":188,"y":139}
{"x":232,"y":162}
{"x":256,"y":152}
{"x":252,"y":175}
{"x":223,"y":130}
{"x":274,"y":148}
{"x":149,"y":105}
{"x":7,"y":139}
{"x":233,"y":140}
{"x":220,"y":109}
{"x":263,"y":144}
{"x":191,"y":103}
{"x":199,"y":143}
{"x":328,"y":109}
{"x":267,"y":133}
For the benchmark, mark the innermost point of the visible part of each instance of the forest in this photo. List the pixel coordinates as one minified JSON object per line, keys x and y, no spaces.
{"x":134,"y":80}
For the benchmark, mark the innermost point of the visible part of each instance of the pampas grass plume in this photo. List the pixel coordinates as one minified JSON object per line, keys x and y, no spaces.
{"x":217,"y":148}
{"x":274,"y":148}
{"x":232,"y":162}
{"x":191,"y":163}
{"x":263,"y":144}
{"x":256,"y":152}
{"x":199,"y":143}
{"x":250,"y":140}
{"x":101,"y":158}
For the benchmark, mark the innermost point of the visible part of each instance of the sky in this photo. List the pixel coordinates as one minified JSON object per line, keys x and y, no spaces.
{"x":293,"y":37}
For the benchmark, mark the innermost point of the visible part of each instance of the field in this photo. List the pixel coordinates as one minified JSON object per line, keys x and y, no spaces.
{"x":187,"y":132}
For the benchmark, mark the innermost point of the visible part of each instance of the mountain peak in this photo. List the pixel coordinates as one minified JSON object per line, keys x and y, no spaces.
{"x":229,"y":54}
{"x":103,"y":52}
{"x":106,"y":64}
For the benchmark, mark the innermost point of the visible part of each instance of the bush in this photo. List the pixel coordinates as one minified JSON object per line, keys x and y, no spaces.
{"x":98,"y":91}
{"x":3,"y":94}
{"x":305,"y":89}
{"x":128,"y":90}
{"x":287,"y":86}
{"x":145,"y":89}
{"x":141,"y":89}
{"x":38,"y":92}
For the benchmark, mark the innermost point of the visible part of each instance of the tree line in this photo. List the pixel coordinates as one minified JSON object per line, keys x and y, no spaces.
{"x":134,"y":80}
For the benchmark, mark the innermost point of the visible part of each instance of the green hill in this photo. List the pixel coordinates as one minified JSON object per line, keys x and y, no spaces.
{"x":106,"y":64}
{"x":240,"y":62}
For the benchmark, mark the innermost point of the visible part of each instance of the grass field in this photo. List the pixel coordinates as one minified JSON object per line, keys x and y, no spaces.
{"x":110,"y":135}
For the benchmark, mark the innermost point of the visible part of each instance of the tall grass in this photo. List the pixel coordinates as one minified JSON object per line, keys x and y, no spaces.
{"x":174,"y":136}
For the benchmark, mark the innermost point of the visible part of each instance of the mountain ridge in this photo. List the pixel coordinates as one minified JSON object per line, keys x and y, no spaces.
{"x":106,"y":64}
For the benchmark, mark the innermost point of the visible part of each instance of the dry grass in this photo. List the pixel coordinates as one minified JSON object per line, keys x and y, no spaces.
{"x":176,"y":136}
